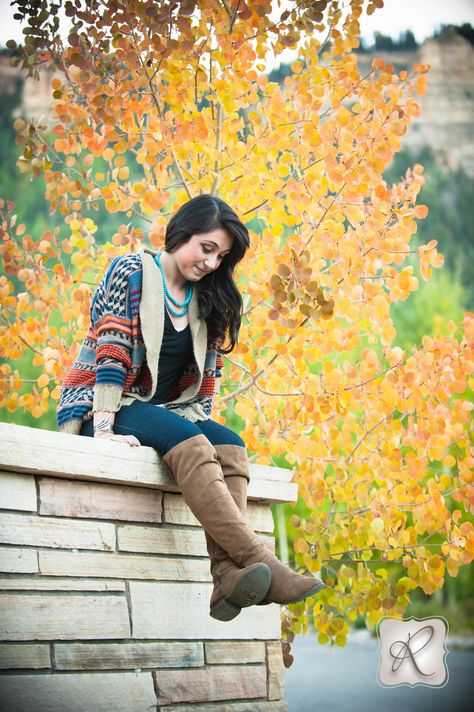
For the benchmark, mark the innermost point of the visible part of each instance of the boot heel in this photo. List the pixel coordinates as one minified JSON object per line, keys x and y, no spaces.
{"x":249,"y":590}
{"x":224,"y":610}
{"x":252,"y":587}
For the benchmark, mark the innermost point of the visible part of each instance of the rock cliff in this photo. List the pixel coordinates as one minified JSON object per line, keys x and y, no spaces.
{"x":446,"y":120}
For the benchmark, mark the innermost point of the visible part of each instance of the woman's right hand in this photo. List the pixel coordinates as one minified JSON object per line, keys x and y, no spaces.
{"x":115,"y":437}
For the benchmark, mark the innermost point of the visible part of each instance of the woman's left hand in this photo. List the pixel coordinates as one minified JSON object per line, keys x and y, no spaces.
{"x":115,"y":437}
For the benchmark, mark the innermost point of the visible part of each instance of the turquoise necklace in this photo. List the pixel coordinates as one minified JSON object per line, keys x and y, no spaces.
{"x":169,"y":297}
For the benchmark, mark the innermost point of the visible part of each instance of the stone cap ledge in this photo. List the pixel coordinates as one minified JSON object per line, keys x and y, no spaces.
{"x":44,"y":452}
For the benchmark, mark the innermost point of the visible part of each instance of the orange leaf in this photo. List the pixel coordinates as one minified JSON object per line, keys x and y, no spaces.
{"x":421,"y":211}
{"x":42,"y":380}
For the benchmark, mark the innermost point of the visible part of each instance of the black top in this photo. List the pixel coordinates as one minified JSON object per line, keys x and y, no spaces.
{"x":176,"y":352}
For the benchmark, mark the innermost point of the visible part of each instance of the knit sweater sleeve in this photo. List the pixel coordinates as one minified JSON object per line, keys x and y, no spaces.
{"x":111,"y":318}
{"x":219,"y":367}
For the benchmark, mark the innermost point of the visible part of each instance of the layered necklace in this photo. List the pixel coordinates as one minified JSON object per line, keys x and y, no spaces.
{"x":169,"y":299}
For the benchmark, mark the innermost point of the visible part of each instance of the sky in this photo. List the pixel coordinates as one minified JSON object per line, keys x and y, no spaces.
{"x":422,"y":17}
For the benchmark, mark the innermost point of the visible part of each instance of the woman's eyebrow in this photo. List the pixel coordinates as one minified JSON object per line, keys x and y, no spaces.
{"x":211,"y":242}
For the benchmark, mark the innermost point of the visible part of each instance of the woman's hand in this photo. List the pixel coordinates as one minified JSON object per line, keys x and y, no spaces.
{"x":115,"y":437}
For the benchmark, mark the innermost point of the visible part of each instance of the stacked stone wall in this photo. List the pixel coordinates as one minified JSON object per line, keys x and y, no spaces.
{"x":105,"y":586}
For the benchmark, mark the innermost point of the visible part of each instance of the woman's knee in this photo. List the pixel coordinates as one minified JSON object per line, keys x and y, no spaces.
{"x":234,"y":439}
{"x":219,"y":434}
{"x":186,"y":435}
{"x":238,"y":441}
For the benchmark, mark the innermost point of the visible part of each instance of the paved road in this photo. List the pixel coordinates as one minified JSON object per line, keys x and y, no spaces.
{"x":345,"y":680}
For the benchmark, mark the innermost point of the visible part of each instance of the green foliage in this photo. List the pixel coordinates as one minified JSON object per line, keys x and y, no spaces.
{"x":406,"y":41}
{"x":449,"y":603}
{"x":31,"y":208}
{"x":429,"y":309}
{"x":30,"y":373}
{"x":450,"y":221}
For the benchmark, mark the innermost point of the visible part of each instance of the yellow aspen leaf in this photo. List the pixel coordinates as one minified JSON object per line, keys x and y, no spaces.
{"x":347,"y":571}
{"x":377,"y":525}
{"x":452,"y":567}
{"x":421,"y":85}
{"x":435,"y":562}
{"x":154,"y":200}
{"x":403,"y":585}
{"x":297,"y":66}
{"x":139,"y":189}
{"x":301,"y":546}
{"x":317,"y":608}
{"x":112,"y":205}
{"x":11,"y":403}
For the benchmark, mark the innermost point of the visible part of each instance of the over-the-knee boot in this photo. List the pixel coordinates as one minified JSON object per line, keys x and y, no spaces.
{"x":199,"y":475}
{"x":235,"y":468}
{"x":234,"y":464}
{"x":226,"y":575}
{"x":234,"y":587}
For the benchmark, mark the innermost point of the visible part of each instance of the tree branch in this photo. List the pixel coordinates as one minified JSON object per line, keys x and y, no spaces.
{"x":234,"y":15}
{"x":367,"y":433}
{"x":217,"y":163}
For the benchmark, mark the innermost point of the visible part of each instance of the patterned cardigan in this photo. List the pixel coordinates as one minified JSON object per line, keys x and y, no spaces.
{"x":118,"y":360}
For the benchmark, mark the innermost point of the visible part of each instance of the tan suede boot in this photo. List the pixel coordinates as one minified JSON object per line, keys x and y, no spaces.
{"x":235,"y":468}
{"x":234,"y":464}
{"x":199,"y":475}
{"x":234,"y":587}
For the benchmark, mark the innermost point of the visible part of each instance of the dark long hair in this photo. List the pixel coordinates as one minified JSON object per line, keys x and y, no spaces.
{"x":220,"y":302}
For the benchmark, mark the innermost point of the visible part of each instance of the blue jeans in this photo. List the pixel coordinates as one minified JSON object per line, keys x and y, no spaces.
{"x":162,"y":429}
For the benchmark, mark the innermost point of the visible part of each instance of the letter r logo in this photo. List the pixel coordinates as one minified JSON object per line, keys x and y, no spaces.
{"x":412,"y":652}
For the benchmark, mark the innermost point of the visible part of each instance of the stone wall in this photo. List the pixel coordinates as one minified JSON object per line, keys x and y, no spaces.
{"x":105,"y":586}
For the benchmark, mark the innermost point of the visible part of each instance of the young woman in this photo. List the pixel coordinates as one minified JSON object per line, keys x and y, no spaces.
{"x":146,"y":374}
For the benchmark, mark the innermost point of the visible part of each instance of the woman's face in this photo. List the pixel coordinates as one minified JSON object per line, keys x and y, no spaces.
{"x":202,"y":253}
